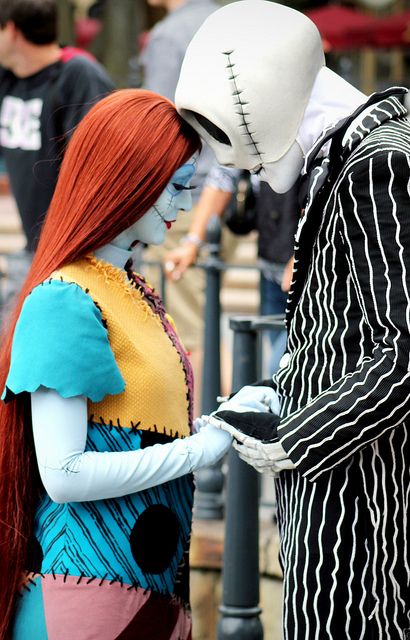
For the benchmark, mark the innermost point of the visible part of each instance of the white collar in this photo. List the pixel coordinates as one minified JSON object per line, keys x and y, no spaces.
{"x":332,"y":99}
{"x":116,"y":256}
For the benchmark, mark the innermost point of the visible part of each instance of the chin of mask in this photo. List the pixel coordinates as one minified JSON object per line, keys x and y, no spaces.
{"x":283,"y":174}
{"x":151,"y":228}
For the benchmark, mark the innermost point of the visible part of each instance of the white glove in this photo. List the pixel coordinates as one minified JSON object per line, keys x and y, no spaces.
{"x":264,"y":457}
{"x":252,"y":399}
{"x":208,"y":445}
{"x":70,"y":473}
{"x":269,"y":458}
{"x":198,"y":424}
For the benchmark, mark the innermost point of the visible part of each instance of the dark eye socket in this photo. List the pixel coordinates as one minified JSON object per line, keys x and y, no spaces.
{"x":212,"y":129}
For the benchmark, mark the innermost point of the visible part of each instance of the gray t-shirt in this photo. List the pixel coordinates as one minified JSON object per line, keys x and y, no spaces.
{"x":162,"y":60}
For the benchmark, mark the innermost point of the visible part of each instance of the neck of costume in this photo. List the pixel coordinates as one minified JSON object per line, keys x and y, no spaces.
{"x":114,"y":255}
{"x":331,"y":100}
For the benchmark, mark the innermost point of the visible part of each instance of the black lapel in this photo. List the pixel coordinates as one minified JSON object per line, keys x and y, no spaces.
{"x":317,"y":182}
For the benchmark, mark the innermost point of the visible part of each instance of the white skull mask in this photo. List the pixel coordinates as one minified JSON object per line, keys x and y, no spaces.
{"x":246,"y":80}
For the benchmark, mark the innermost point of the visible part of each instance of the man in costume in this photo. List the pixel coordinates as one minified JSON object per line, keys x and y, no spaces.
{"x":255,"y":86}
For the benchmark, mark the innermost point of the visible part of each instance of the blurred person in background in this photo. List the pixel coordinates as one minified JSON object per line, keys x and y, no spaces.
{"x":274,"y":216}
{"x":161,"y":61}
{"x":45,"y":90}
{"x":277,"y":216}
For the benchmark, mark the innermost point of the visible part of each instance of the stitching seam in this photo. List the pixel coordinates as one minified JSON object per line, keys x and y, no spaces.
{"x":241,"y":104}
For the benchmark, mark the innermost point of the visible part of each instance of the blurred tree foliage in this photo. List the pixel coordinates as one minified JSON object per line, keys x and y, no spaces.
{"x":65,"y":21}
{"x":116,"y":46}
{"x":122,"y":22}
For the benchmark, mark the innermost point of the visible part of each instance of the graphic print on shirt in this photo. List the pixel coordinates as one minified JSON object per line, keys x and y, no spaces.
{"x":20,"y":123}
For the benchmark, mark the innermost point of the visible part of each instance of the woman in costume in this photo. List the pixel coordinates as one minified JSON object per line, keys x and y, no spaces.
{"x":97,"y":446}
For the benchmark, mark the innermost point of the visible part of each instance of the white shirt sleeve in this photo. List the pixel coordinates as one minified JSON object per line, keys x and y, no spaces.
{"x":71,"y":474}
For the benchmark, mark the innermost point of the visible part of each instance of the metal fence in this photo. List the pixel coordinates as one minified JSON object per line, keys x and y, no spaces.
{"x":238,"y":502}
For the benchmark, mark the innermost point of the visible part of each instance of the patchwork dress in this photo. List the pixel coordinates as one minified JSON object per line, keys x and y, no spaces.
{"x":115,"y":568}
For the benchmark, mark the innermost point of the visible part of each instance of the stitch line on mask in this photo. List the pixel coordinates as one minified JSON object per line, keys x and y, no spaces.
{"x":238,"y":102}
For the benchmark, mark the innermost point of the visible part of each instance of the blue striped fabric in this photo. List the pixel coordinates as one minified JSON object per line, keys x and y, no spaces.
{"x":94,"y":538}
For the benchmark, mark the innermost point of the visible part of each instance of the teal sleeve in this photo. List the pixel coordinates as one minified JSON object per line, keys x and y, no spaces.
{"x":60,"y":342}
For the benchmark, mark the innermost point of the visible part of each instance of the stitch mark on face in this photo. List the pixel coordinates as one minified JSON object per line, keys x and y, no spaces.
{"x":159,"y":213}
{"x":238,"y":102}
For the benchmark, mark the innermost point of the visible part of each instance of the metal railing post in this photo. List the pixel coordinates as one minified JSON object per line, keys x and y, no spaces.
{"x":210,"y":481}
{"x":163,"y":284}
{"x":240,"y":600}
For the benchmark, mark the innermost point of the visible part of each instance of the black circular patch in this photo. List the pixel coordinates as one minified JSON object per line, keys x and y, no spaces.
{"x":154,"y":538}
{"x":34,"y":555}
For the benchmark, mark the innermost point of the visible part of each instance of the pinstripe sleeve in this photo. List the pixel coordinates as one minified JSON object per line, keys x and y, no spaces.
{"x":374,"y":210}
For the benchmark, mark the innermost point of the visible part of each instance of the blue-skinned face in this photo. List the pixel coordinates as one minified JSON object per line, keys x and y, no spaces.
{"x":152,"y":227}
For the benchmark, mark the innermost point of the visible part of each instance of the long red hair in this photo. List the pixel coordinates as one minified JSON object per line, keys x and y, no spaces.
{"x":117,"y":163}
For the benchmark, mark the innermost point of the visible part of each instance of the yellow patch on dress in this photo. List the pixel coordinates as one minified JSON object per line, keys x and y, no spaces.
{"x":155,"y":395}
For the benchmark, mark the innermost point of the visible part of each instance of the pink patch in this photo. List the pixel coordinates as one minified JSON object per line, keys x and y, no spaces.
{"x":95,"y":611}
{"x":183,"y":627}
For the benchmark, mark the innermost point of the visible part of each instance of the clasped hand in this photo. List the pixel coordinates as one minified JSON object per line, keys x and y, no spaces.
{"x":258,"y":408}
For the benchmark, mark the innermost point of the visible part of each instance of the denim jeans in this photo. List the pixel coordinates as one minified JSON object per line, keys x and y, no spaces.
{"x":273,"y":301}
{"x":17,"y":267}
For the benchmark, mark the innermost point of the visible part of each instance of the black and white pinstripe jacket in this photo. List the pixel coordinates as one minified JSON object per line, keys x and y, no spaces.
{"x":345,"y":391}
{"x":347,"y":381}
